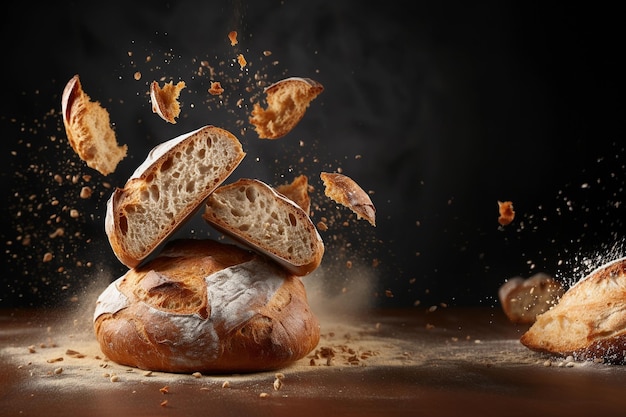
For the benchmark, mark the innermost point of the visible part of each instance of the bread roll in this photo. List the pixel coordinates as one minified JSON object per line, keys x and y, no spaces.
{"x":206,"y":306}
{"x":255,"y":214}
{"x":168,"y":188}
{"x":522,"y":300}
{"x":287,"y":101}
{"x":589,"y":321}
{"x":89,"y":130}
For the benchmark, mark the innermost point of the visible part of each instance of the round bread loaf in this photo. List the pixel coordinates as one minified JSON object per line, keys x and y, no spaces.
{"x":205,"y":306}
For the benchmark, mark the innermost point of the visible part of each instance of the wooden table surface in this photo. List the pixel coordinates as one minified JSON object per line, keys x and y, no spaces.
{"x":409,"y":362}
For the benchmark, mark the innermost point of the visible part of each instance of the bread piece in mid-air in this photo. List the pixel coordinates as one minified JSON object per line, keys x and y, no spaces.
{"x":165,"y":100}
{"x":167,"y":188}
{"x":258,"y":216}
{"x":205,"y":306}
{"x":287,"y":101}
{"x":522,"y":300}
{"x":589,"y":322}
{"x":297,"y":191}
{"x":88,"y":128}
{"x":345,"y":191}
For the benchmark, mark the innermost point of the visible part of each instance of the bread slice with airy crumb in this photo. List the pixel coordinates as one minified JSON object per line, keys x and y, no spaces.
{"x":258,"y":216}
{"x":88,"y":128}
{"x":166,"y":189}
{"x":287,"y":101}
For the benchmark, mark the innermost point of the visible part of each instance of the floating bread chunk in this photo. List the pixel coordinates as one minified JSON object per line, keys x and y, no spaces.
{"x":297,"y":191}
{"x":88,"y":129}
{"x":522,"y":300}
{"x":345,"y":191}
{"x":165,"y":100}
{"x":507,"y":214}
{"x":287,"y":101}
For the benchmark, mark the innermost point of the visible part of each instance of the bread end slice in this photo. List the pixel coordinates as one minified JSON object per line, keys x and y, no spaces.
{"x":88,"y":129}
{"x":254,"y":214}
{"x":345,"y":191}
{"x":168,"y":188}
{"x":287,"y":101}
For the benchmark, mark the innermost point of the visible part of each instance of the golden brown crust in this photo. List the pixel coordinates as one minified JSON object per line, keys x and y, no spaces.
{"x":208,"y":307}
{"x":165,"y":100}
{"x":298,"y":192}
{"x":287,"y":101}
{"x":88,"y":129}
{"x":345,"y":191}
{"x":589,"y":321}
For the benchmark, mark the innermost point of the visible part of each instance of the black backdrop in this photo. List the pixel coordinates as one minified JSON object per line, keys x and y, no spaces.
{"x":440,"y":111}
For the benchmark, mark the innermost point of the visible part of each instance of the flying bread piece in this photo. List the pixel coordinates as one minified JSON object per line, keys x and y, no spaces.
{"x":255,"y":214}
{"x":166,"y":189}
{"x":345,"y":191}
{"x":287,"y":101}
{"x":165,"y":100}
{"x":589,"y":322}
{"x":298,"y":192}
{"x":523,"y":300}
{"x":88,"y":129}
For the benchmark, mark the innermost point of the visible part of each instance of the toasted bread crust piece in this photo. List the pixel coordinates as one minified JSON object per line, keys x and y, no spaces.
{"x":345,"y":191}
{"x":298,"y":192}
{"x":589,"y":321}
{"x":165,"y":100}
{"x":522,"y":300}
{"x":88,"y":129}
{"x":258,"y":216}
{"x":287,"y":101}
{"x":166,"y":189}
{"x":204,"y":306}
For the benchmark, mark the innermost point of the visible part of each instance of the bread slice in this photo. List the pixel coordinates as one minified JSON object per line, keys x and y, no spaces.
{"x":522,"y":300}
{"x":345,"y":191}
{"x":165,"y":100}
{"x":255,"y":214}
{"x":287,"y":101}
{"x":88,"y":129}
{"x":589,"y":321}
{"x":167,"y":188}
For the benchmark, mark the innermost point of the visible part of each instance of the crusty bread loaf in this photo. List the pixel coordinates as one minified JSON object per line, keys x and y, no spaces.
{"x":589,"y":321}
{"x":287,"y":101}
{"x":255,"y":214}
{"x":298,"y":192}
{"x":345,"y":191}
{"x":522,"y":300}
{"x":88,"y":129}
{"x":165,"y":100}
{"x":205,"y":306}
{"x":167,"y":188}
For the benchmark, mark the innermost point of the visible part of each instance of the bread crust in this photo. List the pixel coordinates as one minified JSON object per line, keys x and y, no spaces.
{"x":165,"y":100}
{"x":287,"y":101}
{"x":128,"y":207}
{"x":589,"y":321}
{"x":266,"y":234}
{"x":88,"y":129}
{"x":298,"y":192}
{"x":522,"y":300}
{"x":206,"y":306}
{"x":345,"y":191}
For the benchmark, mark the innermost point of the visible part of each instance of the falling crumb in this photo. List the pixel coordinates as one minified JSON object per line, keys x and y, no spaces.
{"x":322,"y":226}
{"x":267,"y":53}
{"x":164,"y":403}
{"x":349,"y":266}
{"x":85,"y":193}
{"x":506,"y":212}
{"x":165,"y":389}
{"x":47,"y":257}
{"x":74,"y":214}
{"x":278,"y":384}
{"x":263,"y":395}
{"x":137,"y":76}
{"x":216,"y":88}
{"x":242,"y":61}
{"x":232,"y":36}
{"x":388,"y":294}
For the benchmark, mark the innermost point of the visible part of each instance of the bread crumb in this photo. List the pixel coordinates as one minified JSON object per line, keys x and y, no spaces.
{"x":216,"y":88}
{"x":137,"y":76}
{"x":164,"y":403}
{"x":242,"y":61}
{"x":197,"y":375}
{"x":225,"y":384}
{"x":232,"y":37}
{"x":507,"y":214}
{"x":263,"y":395}
{"x":165,"y":389}
{"x":278,"y":384}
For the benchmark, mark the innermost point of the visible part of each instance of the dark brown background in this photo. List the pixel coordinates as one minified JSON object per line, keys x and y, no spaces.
{"x":451,"y":106}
